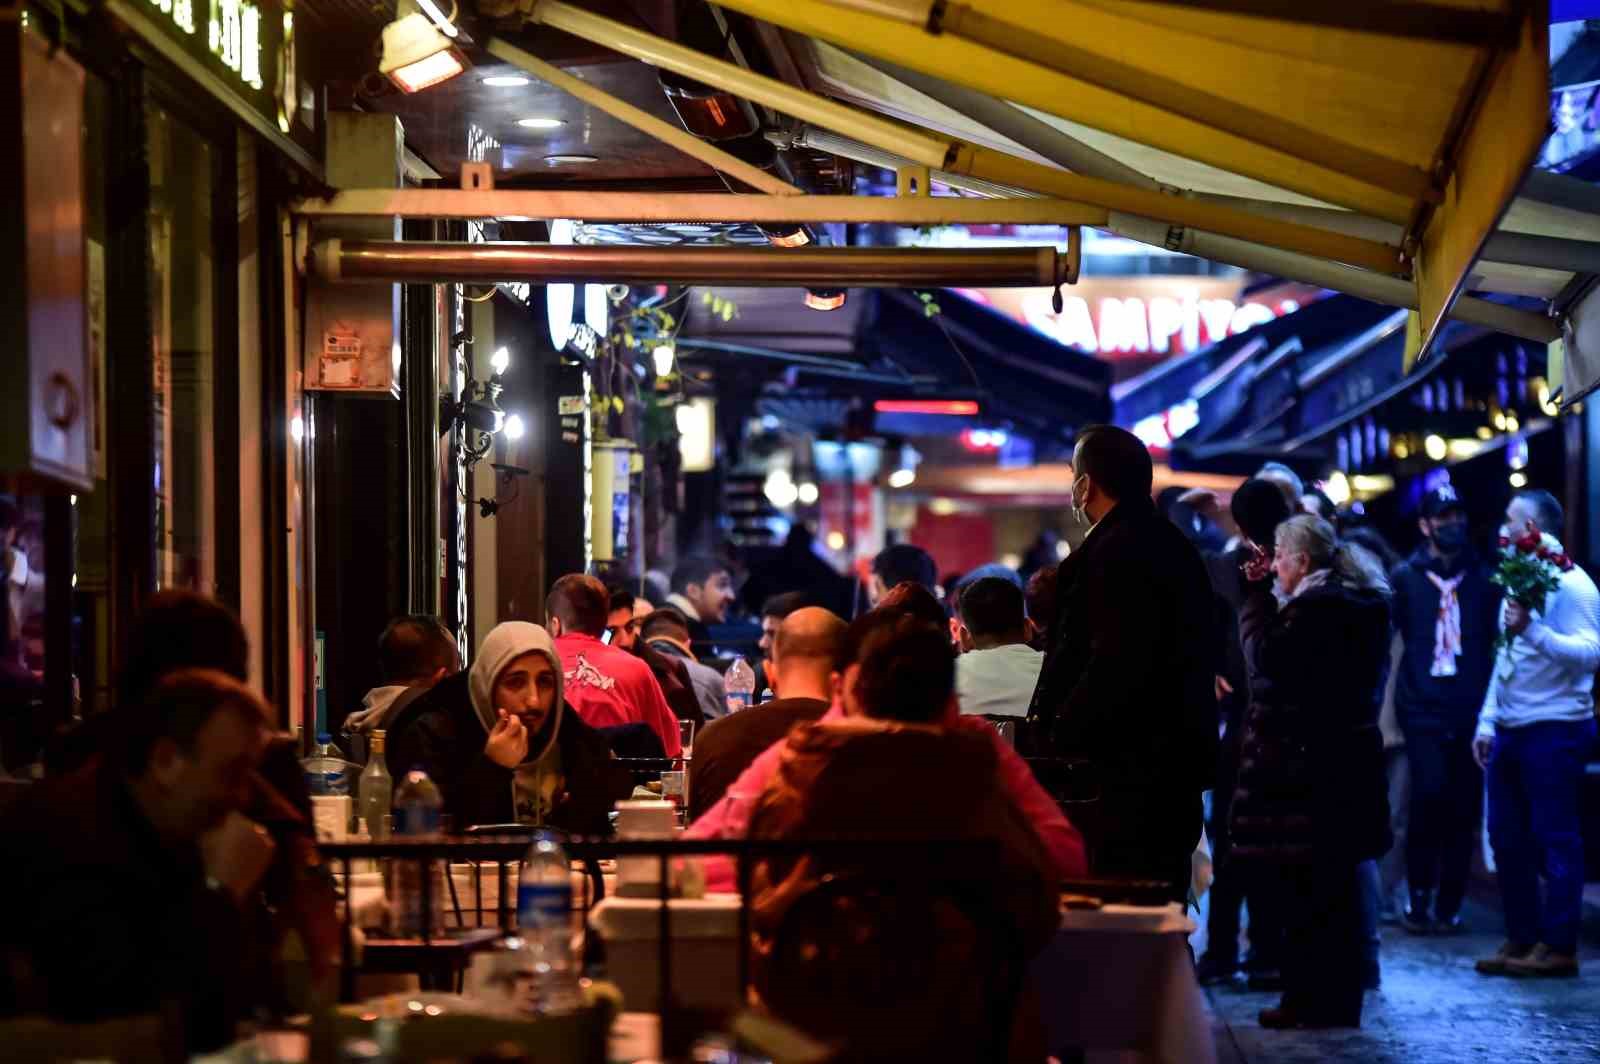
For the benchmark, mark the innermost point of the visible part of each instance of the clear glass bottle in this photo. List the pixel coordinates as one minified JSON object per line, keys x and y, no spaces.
{"x":376,"y":791}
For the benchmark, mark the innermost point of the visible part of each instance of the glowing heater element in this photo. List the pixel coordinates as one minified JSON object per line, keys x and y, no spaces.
{"x":416,"y":54}
{"x":950,"y":407}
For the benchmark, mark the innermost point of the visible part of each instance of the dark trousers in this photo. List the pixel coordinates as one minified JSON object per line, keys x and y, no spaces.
{"x":1326,"y":937}
{"x":1233,"y":886}
{"x":1445,"y":789}
{"x":1535,"y":774}
{"x":1147,"y":836}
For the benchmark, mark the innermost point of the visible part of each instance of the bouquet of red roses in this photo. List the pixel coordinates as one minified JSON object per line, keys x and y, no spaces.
{"x":1530,"y":568}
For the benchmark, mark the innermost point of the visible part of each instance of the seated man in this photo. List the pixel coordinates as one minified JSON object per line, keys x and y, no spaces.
{"x":730,"y":817}
{"x":130,"y":881}
{"x":702,"y":591}
{"x":997,"y":670}
{"x":414,"y":653}
{"x":627,"y":615}
{"x":605,"y":685}
{"x":502,"y":744}
{"x":667,"y":632}
{"x":893,"y":771}
{"x":800,"y":669}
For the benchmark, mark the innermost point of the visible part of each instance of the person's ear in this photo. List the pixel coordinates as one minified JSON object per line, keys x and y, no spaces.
{"x":1030,"y":630}
{"x":555,"y":627}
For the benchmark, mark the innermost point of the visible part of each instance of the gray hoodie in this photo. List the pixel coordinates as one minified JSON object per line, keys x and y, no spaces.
{"x":503,"y":645}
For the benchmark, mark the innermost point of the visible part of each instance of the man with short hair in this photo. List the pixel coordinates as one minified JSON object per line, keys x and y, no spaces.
{"x":666,"y":631}
{"x":702,"y":591}
{"x":414,"y":653}
{"x":898,"y":564}
{"x":1535,"y":735}
{"x":997,"y":670}
{"x":130,"y":880}
{"x":605,"y":685}
{"x":1127,"y":683}
{"x":773,"y":612}
{"x":624,"y":622}
{"x":1445,"y":610}
{"x":808,"y":642}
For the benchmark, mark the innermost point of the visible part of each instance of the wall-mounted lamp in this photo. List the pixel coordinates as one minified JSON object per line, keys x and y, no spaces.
{"x":477,"y":412}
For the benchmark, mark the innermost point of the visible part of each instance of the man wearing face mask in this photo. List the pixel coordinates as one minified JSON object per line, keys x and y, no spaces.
{"x":1127,"y":683}
{"x":1445,"y":610}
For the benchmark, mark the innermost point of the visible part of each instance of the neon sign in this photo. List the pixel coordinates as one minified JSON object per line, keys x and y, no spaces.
{"x":1135,"y":326}
{"x":235,"y":31}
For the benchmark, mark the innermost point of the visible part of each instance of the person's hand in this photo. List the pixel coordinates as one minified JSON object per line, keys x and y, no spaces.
{"x":1201,"y":501}
{"x":1517,"y":617}
{"x":1258,"y":566}
{"x":1482,"y":746}
{"x":1223,"y":688}
{"x":508,"y":743}
{"x":237,"y":853}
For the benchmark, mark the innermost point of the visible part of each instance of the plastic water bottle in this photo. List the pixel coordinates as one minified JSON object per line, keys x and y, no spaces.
{"x":740,"y":684}
{"x":376,"y":791}
{"x":544,"y":920}
{"x":326,"y":770}
{"x":416,"y":814}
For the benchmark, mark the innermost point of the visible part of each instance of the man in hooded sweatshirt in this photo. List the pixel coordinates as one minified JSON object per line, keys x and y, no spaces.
{"x":414,"y":652}
{"x":503,"y":746}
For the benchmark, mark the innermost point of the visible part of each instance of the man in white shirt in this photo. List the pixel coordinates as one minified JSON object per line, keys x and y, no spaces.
{"x":997,"y":670}
{"x":1536,"y":732}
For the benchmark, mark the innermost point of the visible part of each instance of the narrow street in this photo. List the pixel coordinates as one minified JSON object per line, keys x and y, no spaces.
{"x":1433,"y":1009}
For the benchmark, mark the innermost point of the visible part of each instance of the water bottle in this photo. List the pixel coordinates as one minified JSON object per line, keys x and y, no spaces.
{"x":544,"y":920}
{"x":740,"y":684}
{"x":416,"y":814}
{"x":326,"y":770}
{"x":376,"y":792}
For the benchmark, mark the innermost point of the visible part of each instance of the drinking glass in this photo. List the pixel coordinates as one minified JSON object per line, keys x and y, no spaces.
{"x":686,"y":733}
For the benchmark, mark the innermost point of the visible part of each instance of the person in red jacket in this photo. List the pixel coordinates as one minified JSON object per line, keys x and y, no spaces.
{"x":606,"y":685}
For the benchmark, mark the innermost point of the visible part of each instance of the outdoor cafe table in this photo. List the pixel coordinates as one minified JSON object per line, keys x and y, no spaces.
{"x":1116,"y":982}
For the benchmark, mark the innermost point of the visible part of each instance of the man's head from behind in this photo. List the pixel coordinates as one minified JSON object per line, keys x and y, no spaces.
{"x":578,"y":605}
{"x":904,"y":669}
{"x":773,"y":612}
{"x":993,"y":614}
{"x":1109,"y":466}
{"x":417,"y":651}
{"x":899,"y":564}
{"x":668,"y":625}
{"x":182,"y":630}
{"x":189,"y":748}
{"x":807,"y":644}
{"x":705,"y":583}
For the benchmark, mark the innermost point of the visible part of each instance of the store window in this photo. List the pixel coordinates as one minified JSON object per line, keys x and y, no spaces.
{"x":183,"y":351}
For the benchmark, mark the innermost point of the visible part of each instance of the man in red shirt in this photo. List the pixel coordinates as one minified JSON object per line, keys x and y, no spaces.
{"x":606,"y":685}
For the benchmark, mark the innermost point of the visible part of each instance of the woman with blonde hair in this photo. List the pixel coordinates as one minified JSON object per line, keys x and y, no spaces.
{"x":1311,"y":804}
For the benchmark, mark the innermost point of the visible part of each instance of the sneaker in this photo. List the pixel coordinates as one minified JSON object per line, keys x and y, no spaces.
{"x":1498,"y":964}
{"x":1212,"y":970}
{"x":1542,"y":962}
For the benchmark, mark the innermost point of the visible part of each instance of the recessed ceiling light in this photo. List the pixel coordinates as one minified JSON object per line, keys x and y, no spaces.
{"x":563,"y":160}
{"x":505,"y":81}
{"x":540,"y":122}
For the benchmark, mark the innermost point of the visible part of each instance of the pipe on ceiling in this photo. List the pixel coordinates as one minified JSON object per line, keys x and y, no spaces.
{"x":872,"y":267}
{"x":808,"y":136}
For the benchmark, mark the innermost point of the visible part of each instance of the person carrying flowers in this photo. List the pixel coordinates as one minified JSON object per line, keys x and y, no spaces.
{"x":1535,"y":733}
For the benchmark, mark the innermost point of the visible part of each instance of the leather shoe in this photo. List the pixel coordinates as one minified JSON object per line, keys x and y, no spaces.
{"x":1542,"y":962}
{"x":1498,"y":964}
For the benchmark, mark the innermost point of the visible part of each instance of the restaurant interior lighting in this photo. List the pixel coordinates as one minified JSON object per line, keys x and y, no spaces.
{"x":902,"y":478}
{"x":297,"y":428}
{"x":505,"y":81}
{"x":540,"y":122}
{"x":1519,"y":479}
{"x":1436,"y":448}
{"x":807,"y":493}
{"x":780,"y":489}
{"x":1464,"y":448}
{"x":417,"y":54}
{"x":951,"y":407}
{"x":513,"y":427}
{"x":500,"y":361}
{"x":1337,"y":488}
{"x":570,"y":159}
{"x":825,"y":298}
{"x":836,"y":540}
{"x":663,"y":357}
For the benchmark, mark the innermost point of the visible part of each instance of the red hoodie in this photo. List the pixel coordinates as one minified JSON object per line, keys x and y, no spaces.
{"x":608,"y":686}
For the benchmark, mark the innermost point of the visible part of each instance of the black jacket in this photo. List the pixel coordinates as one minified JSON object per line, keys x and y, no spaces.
{"x":1312,"y":782}
{"x":1424,"y":702}
{"x":441,"y":734}
{"x":1128,"y":678}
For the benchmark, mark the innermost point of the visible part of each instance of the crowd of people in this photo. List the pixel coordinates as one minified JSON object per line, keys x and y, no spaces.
{"x":1258,"y":655}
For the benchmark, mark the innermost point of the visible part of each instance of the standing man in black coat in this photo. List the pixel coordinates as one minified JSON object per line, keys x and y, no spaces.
{"x":1447,"y":614}
{"x":1127,"y":682}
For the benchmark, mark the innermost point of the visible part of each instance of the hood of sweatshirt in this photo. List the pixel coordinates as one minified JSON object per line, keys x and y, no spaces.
{"x":504,"y":644}
{"x":376,"y":709}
